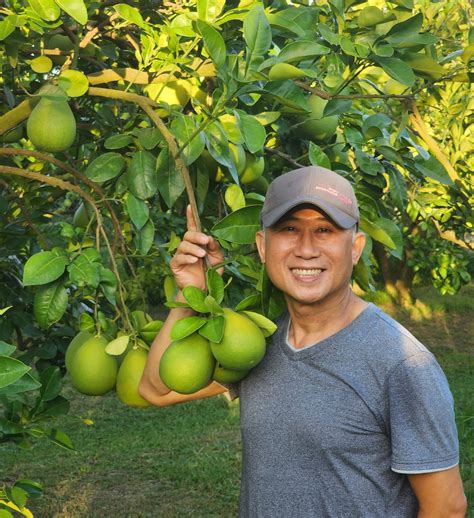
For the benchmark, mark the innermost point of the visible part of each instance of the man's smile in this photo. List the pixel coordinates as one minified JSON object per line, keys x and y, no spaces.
{"x":306,"y":272}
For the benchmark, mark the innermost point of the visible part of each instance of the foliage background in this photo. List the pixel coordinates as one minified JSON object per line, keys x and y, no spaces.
{"x":176,"y":100}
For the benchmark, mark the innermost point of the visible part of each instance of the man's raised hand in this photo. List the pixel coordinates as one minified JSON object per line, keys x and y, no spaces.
{"x":187,"y":263}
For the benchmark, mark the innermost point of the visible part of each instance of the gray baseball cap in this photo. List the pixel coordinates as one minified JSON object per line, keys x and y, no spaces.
{"x":313,"y":185}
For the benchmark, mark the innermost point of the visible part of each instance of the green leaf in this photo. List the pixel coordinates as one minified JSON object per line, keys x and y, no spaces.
{"x":432,"y":168}
{"x":186,"y":326}
{"x":386,"y":232}
{"x":138,"y":211}
{"x":86,"y":323}
{"x":301,"y":50}
{"x":75,"y":9}
{"x":130,"y":14}
{"x":50,"y":304}
{"x":85,"y":269}
{"x":397,"y":188}
{"x":209,"y":10}
{"x":214,"y":43}
{"x":6,"y":349}
{"x":60,"y":438}
{"x":317,"y":156}
{"x":43,"y":268}
{"x":240,"y":226}
{"x":55,"y":408}
{"x":73,"y":82}
{"x":142,"y":179}
{"x":25,"y":384}
{"x":170,"y":181}
{"x":4,"y":310}
{"x":404,"y":30}
{"x":234,"y":197}
{"x":105,"y":167}
{"x":50,"y":380}
{"x":41,"y":64}
{"x":252,"y":130}
{"x":218,"y":146}
{"x":265,"y":324}
{"x":248,"y":302}
{"x":118,"y":141}
{"x":108,"y":284}
{"x":183,"y":128}
{"x":257,"y":32}
{"x":213,"y":306}
{"x":288,"y":94}
{"x":34,"y":489}
{"x":46,"y":9}
{"x":213,"y":330}
{"x":117,"y":346}
{"x":11,"y":370}
{"x":148,"y":137}
{"x":7,"y":26}
{"x":145,"y":237}
{"x":215,"y":285}
{"x":195,"y":298}
{"x":336,"y":107}
{"x":397,"y":69}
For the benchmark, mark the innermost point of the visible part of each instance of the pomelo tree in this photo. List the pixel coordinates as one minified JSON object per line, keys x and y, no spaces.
{"x":204,"y":102}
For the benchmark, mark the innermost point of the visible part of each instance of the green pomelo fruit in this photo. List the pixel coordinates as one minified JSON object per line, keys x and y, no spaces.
{"x":370,"y":16}
{"x":222,"y":375}
{"x":93,"y":371}
{"x":51,"y":125}
{"x":243,"y":344}
{"x":254,"y":167}
{"x":317,"y":127}
{"x":238,"y":156}
{"x":393,"y":87}
{"x":74,"y":346}
{"x":187,"y":365}
{"x":128,"y":378}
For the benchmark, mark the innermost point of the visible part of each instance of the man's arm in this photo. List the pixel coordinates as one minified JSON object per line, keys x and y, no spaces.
{"x":188,"y":270}
{"x":440,"y":494}
{"x":151,"y":387}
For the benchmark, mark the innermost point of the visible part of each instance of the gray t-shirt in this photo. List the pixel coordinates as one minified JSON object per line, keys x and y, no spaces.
{"x":331,"y":430}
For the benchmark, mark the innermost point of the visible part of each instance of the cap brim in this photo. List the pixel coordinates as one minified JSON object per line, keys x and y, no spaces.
{"x":339,"y":217}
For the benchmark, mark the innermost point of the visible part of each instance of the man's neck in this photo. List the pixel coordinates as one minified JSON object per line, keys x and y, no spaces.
{"x":313,"y":323}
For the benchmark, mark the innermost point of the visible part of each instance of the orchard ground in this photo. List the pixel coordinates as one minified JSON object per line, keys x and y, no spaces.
{"x":185,"y":460}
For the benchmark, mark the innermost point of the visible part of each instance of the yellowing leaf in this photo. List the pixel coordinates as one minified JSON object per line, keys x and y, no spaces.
{"x":41,"y":64}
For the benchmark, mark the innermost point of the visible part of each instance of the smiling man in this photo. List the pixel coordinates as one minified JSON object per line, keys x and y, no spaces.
{"x":348,"y":414}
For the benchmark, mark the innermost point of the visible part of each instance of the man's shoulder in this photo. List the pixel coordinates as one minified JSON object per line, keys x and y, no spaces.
{"x":385,"y":336}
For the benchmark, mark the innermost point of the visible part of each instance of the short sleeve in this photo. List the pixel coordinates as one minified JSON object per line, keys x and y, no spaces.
{"x":421,"y":417}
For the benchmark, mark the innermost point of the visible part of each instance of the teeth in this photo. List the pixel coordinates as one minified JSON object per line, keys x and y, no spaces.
{"x":307,"y":272}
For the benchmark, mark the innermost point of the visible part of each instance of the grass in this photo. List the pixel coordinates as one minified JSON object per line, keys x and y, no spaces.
{"x":185,"y":460}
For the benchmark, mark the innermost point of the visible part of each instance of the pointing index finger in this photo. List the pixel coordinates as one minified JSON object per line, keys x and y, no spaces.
{"x":191,"y":222}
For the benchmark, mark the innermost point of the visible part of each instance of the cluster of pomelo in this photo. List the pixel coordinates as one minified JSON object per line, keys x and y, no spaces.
{"x":96,"y":364}
{"x":191,"y":363}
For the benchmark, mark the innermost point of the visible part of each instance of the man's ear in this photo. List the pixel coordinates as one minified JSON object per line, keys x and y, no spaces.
{"x":358,"y":244}
{"x":260,"y":242}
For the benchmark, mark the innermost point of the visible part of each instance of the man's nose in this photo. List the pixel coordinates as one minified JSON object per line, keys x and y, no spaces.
{"x":307,"y":246}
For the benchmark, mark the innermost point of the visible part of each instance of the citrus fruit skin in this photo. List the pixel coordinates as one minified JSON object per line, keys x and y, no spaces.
{"x":93,"y":371}
{"x":243,"y":345}
{"x":317,"y":127}
{"x":74,"y":345}
{"x":128,"y":378}
{"x":51,"y":125}
{"x":187,"y":365}
{"x":222,"y":375}
{"x":254,"y":167}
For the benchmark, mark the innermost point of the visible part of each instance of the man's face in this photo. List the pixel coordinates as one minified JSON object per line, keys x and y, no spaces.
{"x":308,"y":257}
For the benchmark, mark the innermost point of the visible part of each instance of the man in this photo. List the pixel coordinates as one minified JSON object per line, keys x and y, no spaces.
{"x":348,"y":415}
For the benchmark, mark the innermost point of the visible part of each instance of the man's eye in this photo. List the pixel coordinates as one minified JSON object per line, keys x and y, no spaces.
{"x":323,"y":230}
